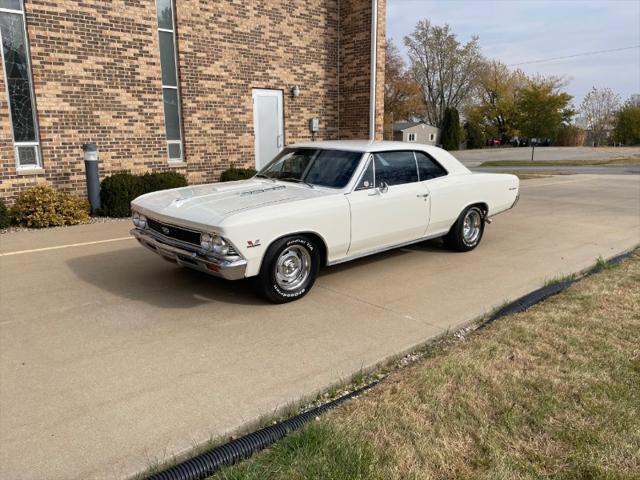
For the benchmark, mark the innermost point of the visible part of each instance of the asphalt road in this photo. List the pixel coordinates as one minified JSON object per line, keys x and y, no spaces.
{"x":589,"y":170}
{"x":473,"y":158}
{"x":111,"y":359}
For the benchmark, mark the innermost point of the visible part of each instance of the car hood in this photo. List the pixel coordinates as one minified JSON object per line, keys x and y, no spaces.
{"x":210,"y":204}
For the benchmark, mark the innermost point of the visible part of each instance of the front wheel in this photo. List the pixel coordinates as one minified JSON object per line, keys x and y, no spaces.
{"x":289,"y":269}
{"x":467,"y":232}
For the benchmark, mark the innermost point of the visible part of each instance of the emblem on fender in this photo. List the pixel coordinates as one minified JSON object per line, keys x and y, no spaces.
{"x":253,"y":243}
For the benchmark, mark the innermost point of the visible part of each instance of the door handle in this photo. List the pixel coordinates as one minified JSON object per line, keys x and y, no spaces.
{"x":422,"y":195}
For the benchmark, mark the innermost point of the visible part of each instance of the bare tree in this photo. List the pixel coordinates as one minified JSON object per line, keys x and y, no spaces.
{"x":598,"y":109}
{"x":445,"y":69}
{"x":402,"y":97}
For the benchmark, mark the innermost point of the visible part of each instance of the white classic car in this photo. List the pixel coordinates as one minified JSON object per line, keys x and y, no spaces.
{"x":321,"y":203}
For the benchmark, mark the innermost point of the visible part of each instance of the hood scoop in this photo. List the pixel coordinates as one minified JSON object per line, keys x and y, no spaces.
{"x":261,"y":190}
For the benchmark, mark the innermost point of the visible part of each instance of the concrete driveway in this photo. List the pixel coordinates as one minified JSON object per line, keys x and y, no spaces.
{"x":112,"y":359}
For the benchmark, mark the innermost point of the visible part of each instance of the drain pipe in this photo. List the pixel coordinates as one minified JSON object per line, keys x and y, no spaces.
{"x":374,"y":69}
{"x":204,"y":465}
{"x":207,"y":463}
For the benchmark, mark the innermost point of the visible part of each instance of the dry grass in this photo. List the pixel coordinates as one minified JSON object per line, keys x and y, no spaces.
{"x":562,"y":163}
{"x":531,"y":174}
{"x":553,"y":392}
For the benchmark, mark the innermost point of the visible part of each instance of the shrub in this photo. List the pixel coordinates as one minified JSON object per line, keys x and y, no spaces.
{"x":153,"y":182}
{"x":569,"y":136}
{"x":118,"y":190}
{"x":4,"y":215}
{"x":232,"y":174}
{"x":43,"y":206}
{"x":475,"y":137}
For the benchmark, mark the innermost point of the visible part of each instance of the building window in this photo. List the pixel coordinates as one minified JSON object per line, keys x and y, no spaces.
{"x":411,"y":137}
{"x":432,"y":137}
{"x":19,"y":84}
{"x":169,"y":68}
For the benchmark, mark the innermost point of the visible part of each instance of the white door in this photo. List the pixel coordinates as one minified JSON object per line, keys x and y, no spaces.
{"x":268,"y":124}
{"x":382,"y":218}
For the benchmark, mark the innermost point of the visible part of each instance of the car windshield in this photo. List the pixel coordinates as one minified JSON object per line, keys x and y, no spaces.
{"x":313,"y":166}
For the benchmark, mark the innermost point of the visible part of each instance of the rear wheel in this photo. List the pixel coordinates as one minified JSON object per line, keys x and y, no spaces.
{"x":467,"y":232}
{"x":289,"y":269}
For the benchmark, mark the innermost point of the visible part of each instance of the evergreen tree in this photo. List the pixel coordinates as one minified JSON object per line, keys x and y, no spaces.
{"x":451,"y":129}
{"x":475,"y":137}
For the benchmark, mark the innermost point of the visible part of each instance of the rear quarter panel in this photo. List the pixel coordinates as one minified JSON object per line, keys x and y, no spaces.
{"x":328,"y":217}
{"x":450,"y":195}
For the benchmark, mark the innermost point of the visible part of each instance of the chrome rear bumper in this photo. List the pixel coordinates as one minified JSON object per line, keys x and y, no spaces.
{"x":227,"y":269}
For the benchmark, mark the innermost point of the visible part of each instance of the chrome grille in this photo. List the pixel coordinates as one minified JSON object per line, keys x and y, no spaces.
{"x":177,"y":233}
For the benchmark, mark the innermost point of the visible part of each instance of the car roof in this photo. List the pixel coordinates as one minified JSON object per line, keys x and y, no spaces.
{"x":445,"y":158}
{"x":363,"y":145}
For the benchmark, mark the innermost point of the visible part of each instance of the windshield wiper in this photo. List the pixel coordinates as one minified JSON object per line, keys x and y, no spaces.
{"x":262,"y":175}
{"x":297,"y":180}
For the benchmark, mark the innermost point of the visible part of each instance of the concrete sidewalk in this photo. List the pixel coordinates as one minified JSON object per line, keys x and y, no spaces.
{"x":112,"y":360}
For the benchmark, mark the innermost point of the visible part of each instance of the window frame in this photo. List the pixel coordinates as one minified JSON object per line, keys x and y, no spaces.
{"x":430,"y":157}
{"x":34,"y":110}
{"x":370,"y":159}
{"x":410,"y":136}
{"x":175,"y":87}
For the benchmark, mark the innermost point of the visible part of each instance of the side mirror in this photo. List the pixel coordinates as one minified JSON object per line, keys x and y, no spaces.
{"x":383,"y":187}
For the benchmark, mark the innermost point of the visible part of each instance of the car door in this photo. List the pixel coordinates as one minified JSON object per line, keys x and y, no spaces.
{"x":389,"y":205}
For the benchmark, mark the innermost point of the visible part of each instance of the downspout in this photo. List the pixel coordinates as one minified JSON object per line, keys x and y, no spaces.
{"x":374,"y":58}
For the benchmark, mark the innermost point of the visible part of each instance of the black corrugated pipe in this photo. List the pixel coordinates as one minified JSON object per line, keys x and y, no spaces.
{"x":230,"y":453}
{"x":542,"y":293}
{"x":241,"y":448}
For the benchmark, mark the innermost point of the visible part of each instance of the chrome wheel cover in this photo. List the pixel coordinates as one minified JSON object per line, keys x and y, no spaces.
{"x":293,"y":267}
{"x":472,"y":226}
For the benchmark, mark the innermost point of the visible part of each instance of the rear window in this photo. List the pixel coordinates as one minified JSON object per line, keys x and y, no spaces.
{"x":428,"y":168}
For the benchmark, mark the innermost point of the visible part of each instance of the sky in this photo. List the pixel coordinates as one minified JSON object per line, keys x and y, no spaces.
{"x":515,"y":31}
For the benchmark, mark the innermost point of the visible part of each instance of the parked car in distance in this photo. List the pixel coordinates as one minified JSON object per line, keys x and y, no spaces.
{"x":321,"y":203}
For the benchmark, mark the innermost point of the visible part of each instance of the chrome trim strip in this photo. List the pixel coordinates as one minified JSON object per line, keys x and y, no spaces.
{"x":232,"y":269}
{"x":384,"y":249}
{"x":180,"y":243}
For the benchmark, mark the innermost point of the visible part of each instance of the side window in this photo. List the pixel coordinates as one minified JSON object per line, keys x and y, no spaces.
{"x":366,"y":182}
{"x":412,"y":137}
{"x":428,"y":168}
{"x":395,"y":168}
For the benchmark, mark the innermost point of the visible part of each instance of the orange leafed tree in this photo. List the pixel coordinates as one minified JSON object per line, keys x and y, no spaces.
{"x":402,"y":97}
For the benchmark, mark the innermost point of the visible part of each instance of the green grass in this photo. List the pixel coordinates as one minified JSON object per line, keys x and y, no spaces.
{"x":561,"y":163}
{"x":561,"y":279}
{"x":553,"y":392}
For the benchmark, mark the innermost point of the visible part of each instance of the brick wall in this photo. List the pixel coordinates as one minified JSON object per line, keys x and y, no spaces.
{"x":355,"y":67}
{"x":228,"y":48}
{"x":96,"y":73}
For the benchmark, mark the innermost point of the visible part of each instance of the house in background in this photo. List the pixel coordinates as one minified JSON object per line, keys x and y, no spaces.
{"x":416,"y":132}
{"x":193,"y":86}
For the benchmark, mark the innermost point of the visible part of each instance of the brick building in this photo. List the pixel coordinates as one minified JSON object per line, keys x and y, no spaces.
{"x":194,"y":86}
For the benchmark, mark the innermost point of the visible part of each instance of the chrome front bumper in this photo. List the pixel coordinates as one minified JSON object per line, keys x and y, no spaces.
{"x":227,"y":269}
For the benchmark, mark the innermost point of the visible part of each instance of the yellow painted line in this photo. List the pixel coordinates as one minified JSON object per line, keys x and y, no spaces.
{"x":70,"y":245}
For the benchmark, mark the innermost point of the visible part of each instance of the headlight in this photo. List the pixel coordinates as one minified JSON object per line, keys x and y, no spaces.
{"x":139,"y":220}
{"x":214,"y":243}
{"x":219,"y":246}
{"x":206,"y":241}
